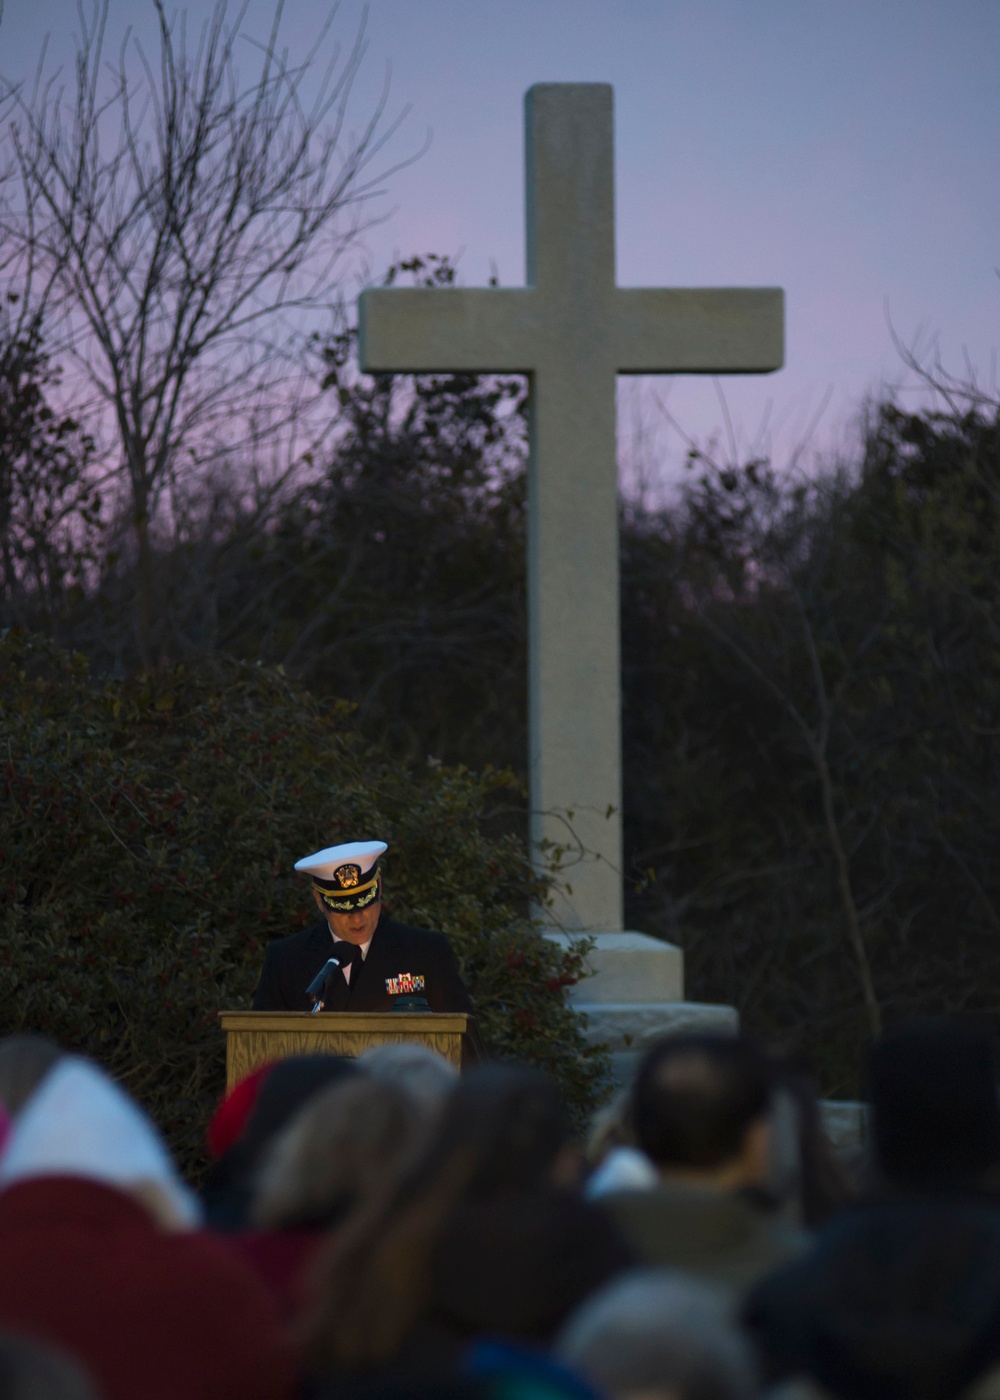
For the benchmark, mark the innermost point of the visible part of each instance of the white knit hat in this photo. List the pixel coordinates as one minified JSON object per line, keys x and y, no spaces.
{"x":79,"y":1122}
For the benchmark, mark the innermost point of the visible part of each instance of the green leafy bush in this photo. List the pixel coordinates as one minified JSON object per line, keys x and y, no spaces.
{"x":147,"y":835}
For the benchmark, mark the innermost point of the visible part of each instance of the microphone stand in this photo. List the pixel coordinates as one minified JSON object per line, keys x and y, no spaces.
{"x":318,"y":988}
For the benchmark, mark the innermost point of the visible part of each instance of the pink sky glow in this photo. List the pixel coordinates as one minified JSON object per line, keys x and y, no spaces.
{"x":841,"y":149}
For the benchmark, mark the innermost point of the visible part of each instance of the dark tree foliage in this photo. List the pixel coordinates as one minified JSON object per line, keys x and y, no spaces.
{"x":181,"y":214}
{"x":812,"y":714}
{"x":147,"y":834}
{"x":397,"y":577}
{"x":393,"y":575}
{"x":50,"y":506}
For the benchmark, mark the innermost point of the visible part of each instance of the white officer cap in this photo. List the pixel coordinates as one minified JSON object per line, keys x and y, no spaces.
{"x":345,"y":877}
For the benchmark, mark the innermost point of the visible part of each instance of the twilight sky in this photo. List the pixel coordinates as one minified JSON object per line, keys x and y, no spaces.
{"x":843,"y":149}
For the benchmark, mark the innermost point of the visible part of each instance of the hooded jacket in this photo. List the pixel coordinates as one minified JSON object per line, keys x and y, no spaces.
{"x":85,"y":1267}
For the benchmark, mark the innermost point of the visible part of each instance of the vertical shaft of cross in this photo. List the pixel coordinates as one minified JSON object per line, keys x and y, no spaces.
{"x":573,"y":628}
{"x":574,"y":702}
{"x":569,"y":176}
{"x":571,"y":330}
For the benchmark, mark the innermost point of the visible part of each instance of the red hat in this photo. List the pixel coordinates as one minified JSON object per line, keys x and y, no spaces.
{"x":235,"y":1108}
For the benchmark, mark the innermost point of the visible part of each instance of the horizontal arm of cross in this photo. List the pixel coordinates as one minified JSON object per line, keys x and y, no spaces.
{"x":422,"y":330}
{"x":685,"y":330}
{"x":698,"y":330}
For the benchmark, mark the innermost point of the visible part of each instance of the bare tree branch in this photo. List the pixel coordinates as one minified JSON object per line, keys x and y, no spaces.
{"x":189,"y":224}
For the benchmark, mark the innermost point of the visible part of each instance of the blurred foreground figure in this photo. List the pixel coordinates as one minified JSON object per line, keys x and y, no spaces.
{"x":483,"y":1235}
{"x":233,"y":1111}
{"x":30,"y":1371}
{"x":932,"y":1085}
{"x":334,"y":1155}
{"x":345,"y":1142}
{"x":701,"y":1113}
{"x":660,"y":1336}
{"x":617,"y":1163}
{"x":900,"y":1296}
{"x":416,"y":1069}
{"x":277,"y":1092}
{"x":808,"y":1182}
{"x":97,"y":1256}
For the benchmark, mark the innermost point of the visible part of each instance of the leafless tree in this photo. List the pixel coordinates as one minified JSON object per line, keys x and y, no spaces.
{"x":186,"y":226}
{"x":781,"y":557}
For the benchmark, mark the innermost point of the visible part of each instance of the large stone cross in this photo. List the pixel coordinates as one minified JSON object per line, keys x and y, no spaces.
{"x":572,"y":330}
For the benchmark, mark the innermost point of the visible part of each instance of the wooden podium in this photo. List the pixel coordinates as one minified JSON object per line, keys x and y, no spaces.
{"x":254,"y":1037}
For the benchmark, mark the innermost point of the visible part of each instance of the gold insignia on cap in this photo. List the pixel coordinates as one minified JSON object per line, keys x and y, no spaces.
{"x":347,"y":876}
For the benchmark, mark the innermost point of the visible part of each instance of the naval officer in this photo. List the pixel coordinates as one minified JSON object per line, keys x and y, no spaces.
{"x":380,"y":959}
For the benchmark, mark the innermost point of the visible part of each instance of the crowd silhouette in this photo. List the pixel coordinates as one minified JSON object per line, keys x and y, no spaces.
{"x":384,"y":1227}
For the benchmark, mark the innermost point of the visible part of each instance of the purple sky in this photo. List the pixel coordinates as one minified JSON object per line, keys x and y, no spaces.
{"x":843,"y":149}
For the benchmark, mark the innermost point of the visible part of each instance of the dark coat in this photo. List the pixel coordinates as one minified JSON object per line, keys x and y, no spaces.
{"x":516,"y":1266}
{"x":290,"y":964}
{"x":165,"y":1316}
{"x":897,"y":1300}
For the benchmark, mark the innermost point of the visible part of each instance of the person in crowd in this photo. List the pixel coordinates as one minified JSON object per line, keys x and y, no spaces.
{"x":510,"y":1371}
{"x":233,"y":1111}
{"x":417,"y":1069}
{"x":622,"y":1169}
{"x":616,"y":1163}
{"x":658,"y":1335}
{"x":99,"y":1259}
{"x":807,"y":1181}
{"x":31,"y":1371}
{"x":336,"y":1152}
{"x":701,"y":1112}
{"x":379,"y":961}
{"x":900,"y":1294}
{"x":345,"y":1140}
{"x":278,"y":1094}
{"x":25,"y":1060}
{"x":482,"y":1235}
{"x":609,"y":1128}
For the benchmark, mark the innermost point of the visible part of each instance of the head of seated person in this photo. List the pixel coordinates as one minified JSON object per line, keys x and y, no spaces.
{"x":701,"y":1112}
{"x":509,"y":1123}
{"x":282,"y":1092}
{"x":340,"y":1149}
{"x":656,"y":1334}
{"x":416,"y":1069}
{"x":81,"y":1124}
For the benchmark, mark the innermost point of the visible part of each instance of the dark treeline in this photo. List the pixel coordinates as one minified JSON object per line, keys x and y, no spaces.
{"x":811,"y":665}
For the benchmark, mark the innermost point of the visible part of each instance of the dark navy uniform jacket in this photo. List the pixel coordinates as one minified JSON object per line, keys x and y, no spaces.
{"x":397,"y":955}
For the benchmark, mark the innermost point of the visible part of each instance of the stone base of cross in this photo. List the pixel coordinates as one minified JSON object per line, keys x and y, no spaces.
{"x":572,"y":330}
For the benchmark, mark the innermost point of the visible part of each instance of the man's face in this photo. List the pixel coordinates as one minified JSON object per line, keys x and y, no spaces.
{"x":355,"y":927}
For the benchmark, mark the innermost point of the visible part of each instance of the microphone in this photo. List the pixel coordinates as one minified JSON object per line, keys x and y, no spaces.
{"x":317,"y":987}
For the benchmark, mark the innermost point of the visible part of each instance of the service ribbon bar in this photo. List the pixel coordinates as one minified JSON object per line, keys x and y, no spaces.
{"x":405,"y":983}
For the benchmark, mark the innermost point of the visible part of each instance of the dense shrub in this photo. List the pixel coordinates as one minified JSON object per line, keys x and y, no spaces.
{"x":147,"y":836}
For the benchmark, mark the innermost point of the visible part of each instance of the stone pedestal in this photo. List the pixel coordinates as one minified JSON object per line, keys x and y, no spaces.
{"x":635,"y":995}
